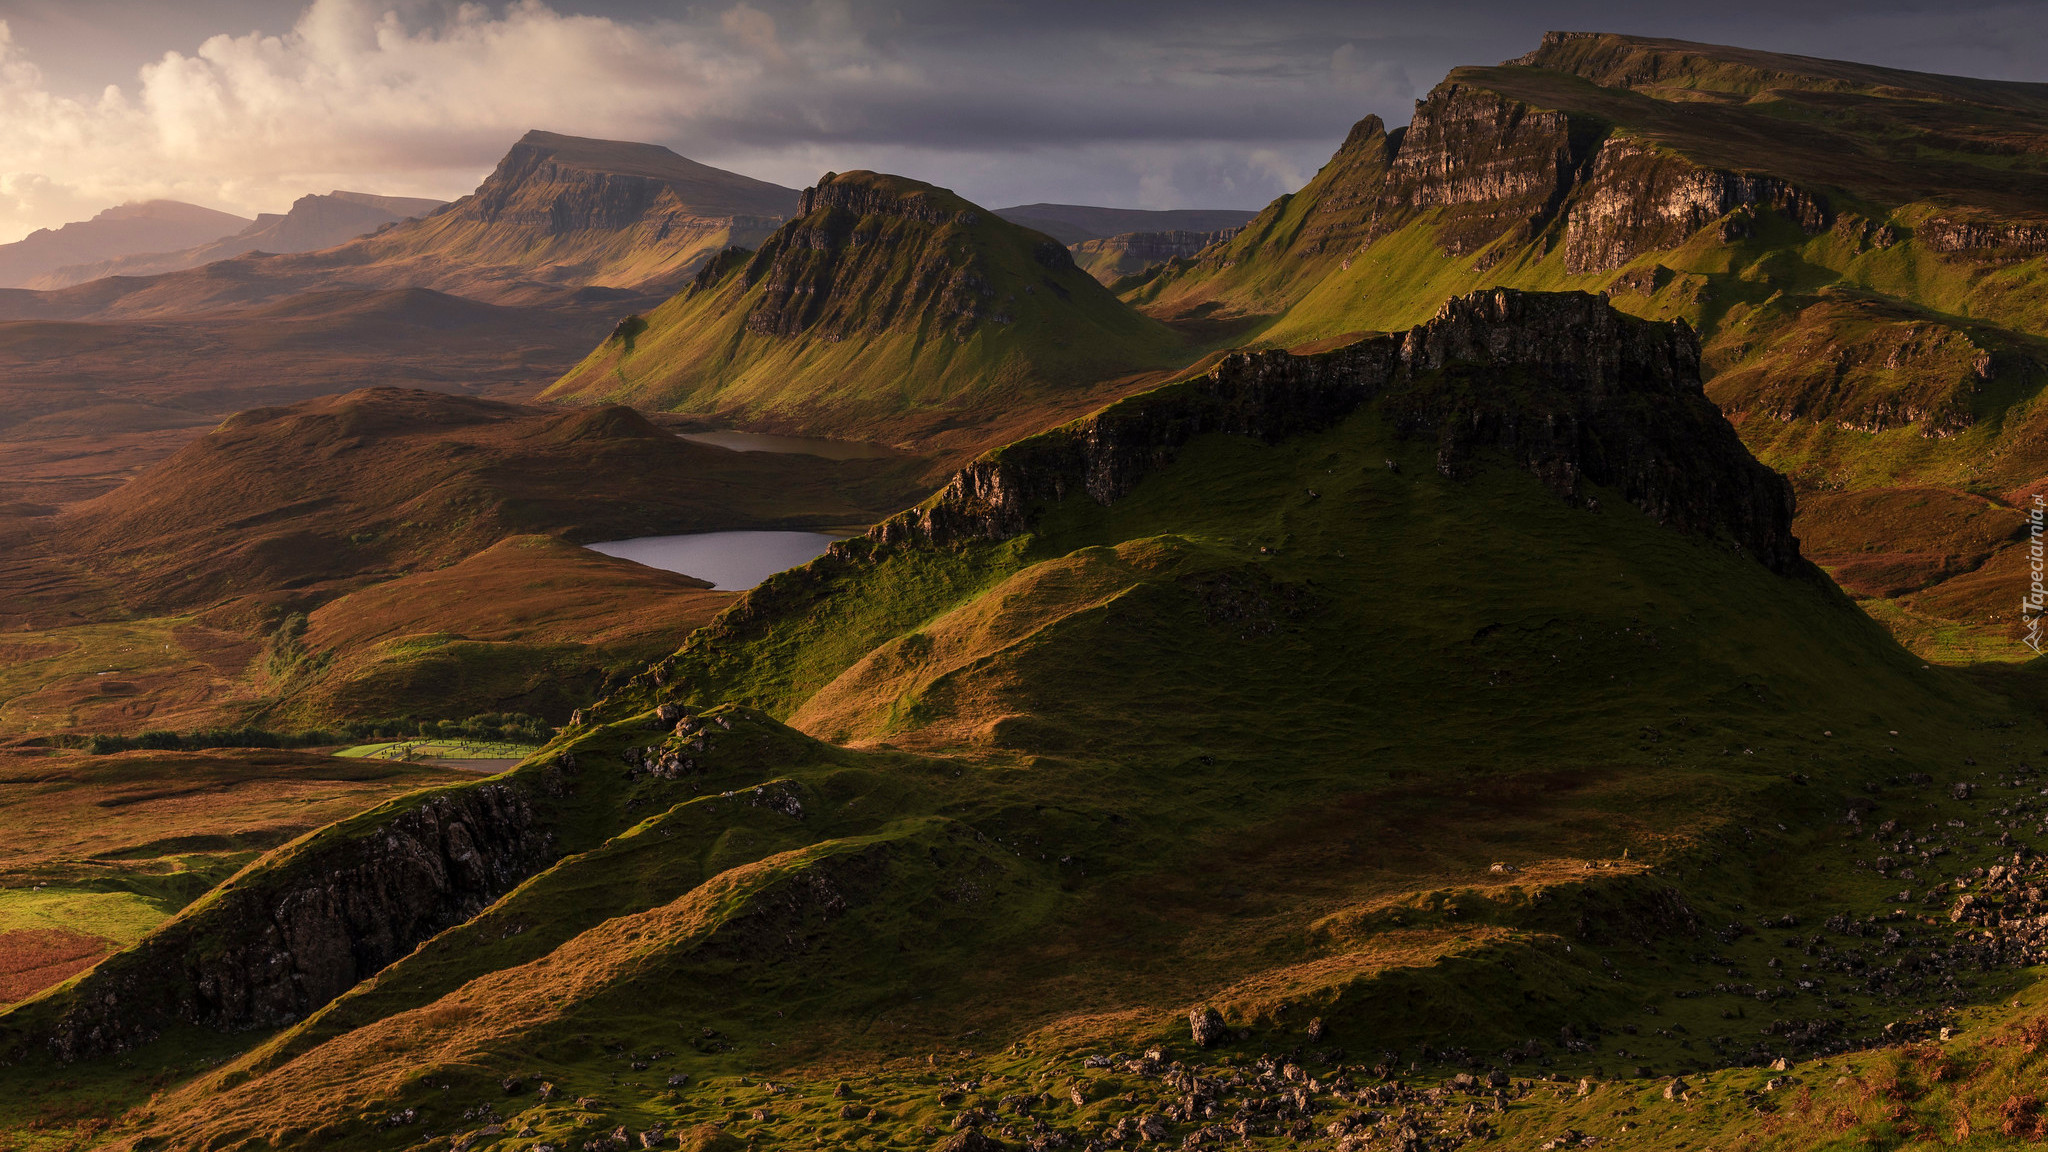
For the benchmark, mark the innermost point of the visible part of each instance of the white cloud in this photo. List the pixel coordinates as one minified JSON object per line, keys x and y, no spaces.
{"x":356,"y":96}
{"x":352,"y":97}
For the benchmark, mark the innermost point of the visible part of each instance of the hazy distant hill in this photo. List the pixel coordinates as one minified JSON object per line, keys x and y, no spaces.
{"x":559,"y":213}
{"x":149,"y":226}
{"x":314,"y":222}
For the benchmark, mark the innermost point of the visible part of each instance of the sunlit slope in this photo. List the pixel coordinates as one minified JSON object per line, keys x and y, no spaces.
{"x":1444,"y":689}
{"x":1862,"y":250}
{"x":888,"y":310}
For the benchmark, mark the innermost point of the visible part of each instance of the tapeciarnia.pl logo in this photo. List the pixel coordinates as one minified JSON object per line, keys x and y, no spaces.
{"x":2036,"y":601}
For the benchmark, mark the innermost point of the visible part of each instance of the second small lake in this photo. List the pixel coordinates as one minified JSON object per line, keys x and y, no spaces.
{"x":732,"y":561}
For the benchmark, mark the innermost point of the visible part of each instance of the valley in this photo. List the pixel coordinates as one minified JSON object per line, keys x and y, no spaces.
{"x":1515,"y":644}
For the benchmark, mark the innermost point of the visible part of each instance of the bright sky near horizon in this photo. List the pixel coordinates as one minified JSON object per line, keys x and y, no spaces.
{"x":245,"y":105}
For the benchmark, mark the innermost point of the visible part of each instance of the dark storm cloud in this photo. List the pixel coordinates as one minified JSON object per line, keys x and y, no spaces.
{"x":245,"y":103}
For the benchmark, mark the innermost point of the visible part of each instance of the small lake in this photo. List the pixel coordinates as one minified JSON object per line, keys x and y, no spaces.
{"x":792,"y":445}
{"x":732,"y":561}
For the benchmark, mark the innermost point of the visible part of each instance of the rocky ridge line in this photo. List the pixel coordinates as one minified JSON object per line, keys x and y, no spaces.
{"x":1603,"y":399}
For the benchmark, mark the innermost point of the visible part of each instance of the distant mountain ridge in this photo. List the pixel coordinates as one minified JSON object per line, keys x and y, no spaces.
{"x":314,"y":222}
{"x":146,"y":226}
{"x":559,"y":214}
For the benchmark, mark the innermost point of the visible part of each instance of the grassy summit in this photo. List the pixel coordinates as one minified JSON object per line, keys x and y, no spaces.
{"x":888,"y":310}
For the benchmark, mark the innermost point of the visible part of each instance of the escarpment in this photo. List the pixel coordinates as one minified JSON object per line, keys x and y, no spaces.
{"x":1638,"y":199}
{"x":1997,"y":239}
{"x":1575,"y":392}
{"x":556,"y":185}
{"x":1498,"y":165}
{"x":868,"y":253}
{"x":1132,"y":252}
{"x":300,"y":928}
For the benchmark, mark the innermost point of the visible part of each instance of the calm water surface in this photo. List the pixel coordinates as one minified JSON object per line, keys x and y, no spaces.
{"x":730,"y":560}
{"x":795,"y":445}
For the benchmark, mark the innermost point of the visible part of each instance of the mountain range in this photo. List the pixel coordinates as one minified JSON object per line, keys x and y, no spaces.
{"x":152,"y":225}
{"x":1510,"y":648}
{"x":313,"y":222}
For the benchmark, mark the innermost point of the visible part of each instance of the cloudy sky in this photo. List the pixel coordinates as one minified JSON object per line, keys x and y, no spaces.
{"x":246,"y":104}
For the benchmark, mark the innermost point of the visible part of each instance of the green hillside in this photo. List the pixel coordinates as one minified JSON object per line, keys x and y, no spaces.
{"x":888,"y":310}
{"x":1862,"y":249}
{"x":1413,"y":743}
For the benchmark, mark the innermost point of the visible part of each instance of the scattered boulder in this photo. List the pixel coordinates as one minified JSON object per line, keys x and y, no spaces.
{"x":1206,"y":1026}
{"x":971,"y":1140}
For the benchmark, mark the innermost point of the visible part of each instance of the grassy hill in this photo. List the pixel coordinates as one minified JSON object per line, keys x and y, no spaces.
{"x":888,"y":310}
{"x":1456,"y":704}
{"x":1861,"y":248}
{"x":386,"y":553}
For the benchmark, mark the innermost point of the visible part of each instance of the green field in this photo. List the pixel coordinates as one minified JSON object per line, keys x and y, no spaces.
{"x":415,"y":750}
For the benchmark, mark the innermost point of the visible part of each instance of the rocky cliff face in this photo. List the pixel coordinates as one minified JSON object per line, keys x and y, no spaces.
{"x":1637,"y":199}
{"x":1500,"y":166}
{"x":1133,"y":252}
{"x":869,"y":253}
{"x":1575,"y":392}
{"x":1495,"y":168}
{"x":281,"y":940}
{"x":1994,"y":239}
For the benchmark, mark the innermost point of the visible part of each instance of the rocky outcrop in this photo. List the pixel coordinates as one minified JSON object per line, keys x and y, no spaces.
{"x":870,"y":252}
{"x":1133,"y":252}
{"x":1573,"y":391}
{"x":1498,"y":164}
{"x":858,"y":197}
{"x":283,"y":939}
{"x":1985,"y":238}
{"x":1637,"y":199}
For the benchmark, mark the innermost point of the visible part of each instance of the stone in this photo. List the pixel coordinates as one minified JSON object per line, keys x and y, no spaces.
{"x":1677,"y":1090}
{"x":679,"y":1079}
{"x":669,"y":713}
{"x":1316,"y":1031}
{"x":1206,"y":1026}
{"x":971,"y":1140}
